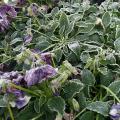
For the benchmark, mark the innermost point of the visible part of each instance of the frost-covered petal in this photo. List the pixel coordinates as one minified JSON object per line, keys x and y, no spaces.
{"x":19,"y":80}
{"x":36,"y":75}
{"x":33,"y":76}
{"x":115,"y":112}
{"x":28,"y":38}
{"x":47,"y":57}
{"x":49,"y":71}
{"x":7,"y":12}
{"x":22,"y":101}
{"x":33,"y":9}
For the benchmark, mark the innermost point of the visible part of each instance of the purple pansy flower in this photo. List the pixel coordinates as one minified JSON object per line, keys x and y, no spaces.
{"x":36,"y":75}
{"x":47,"y":57}
{"x":7,"y":12}
{"x":22,"y":101}
{"x":4,"y":23}
{"x":28,"y":38}
{"x":21,"y":2}
{"x":115,"y":112}
{"x":20,"y":98}
{"x":33,"y":9}
{"x":19,"y":80}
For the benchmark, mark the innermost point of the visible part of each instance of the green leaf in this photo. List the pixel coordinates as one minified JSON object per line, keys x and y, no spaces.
{"x":117,"y":44}
{"x":101,"y":117}
{"x":85,"y":27}
{"x":87,"y":116}
{"x":86,"y":91}
{"x":70,"y":67}
{"x":72,"y":88}
{"x":71,"y":26}
{"x":114,"y":87}
{"x":18,"y":48}
{"x":64,"y":21}
{"x":99,"y":107}
{"x":84,"y":56}
{"x":54,"y":11}
{"x":71,"y":57}
{"x":38,"y":103}
{"x":110,"y":59}
{"x":27,"y":113}
{"x":107,"y":78}
{"x":117,"y":32}
{"x":75,"y":48}
{"x":106,"y":19}
{"x":75,"y":104}
{"x":14,"y":41}
{"x":58,"y":55}
{"x":87,"y":77}
{"x":81,"y":98}
{"x":42,"y":43}
{"x":14,"y":35}
{"x":61,"y":31}
{"x":103,"y":70}
{"x":2,"y":102}
{"x":54,"y":26}
{"x":57,"y":104}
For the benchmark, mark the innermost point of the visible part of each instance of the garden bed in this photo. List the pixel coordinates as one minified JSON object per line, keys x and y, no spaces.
{"x":59,"y":60}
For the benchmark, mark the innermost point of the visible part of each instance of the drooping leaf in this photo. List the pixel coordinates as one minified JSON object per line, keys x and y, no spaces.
{"x":57,"y":104}
{"x":99,"y":107}
{"x":38,"y":103}
{"x":117,"y":35}
{"x":27,"y":113}
{"x":81,"y":98}
{"x":106,"y":79}
{"x":106,"y":19}
{"x":14,"y":41}
{"x":114,"y":87}
{"x":2,"y":102}
{"x":72,"y":88}
{"x":87,"y":77}
{"x":117,"y":44}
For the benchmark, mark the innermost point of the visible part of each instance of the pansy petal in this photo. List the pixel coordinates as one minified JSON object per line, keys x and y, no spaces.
{"x":21,"y":102}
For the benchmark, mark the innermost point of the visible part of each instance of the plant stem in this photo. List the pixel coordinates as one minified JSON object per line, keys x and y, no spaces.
{"x":79,"y":113}
{"x":10,"y":111}
{"x":25,"y":90}
{"x":112,"y":93}
{"x":7,"y":60}
{"x":53,"y":63}
{"x":35,"y":15}
{"x":97,"y":117}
